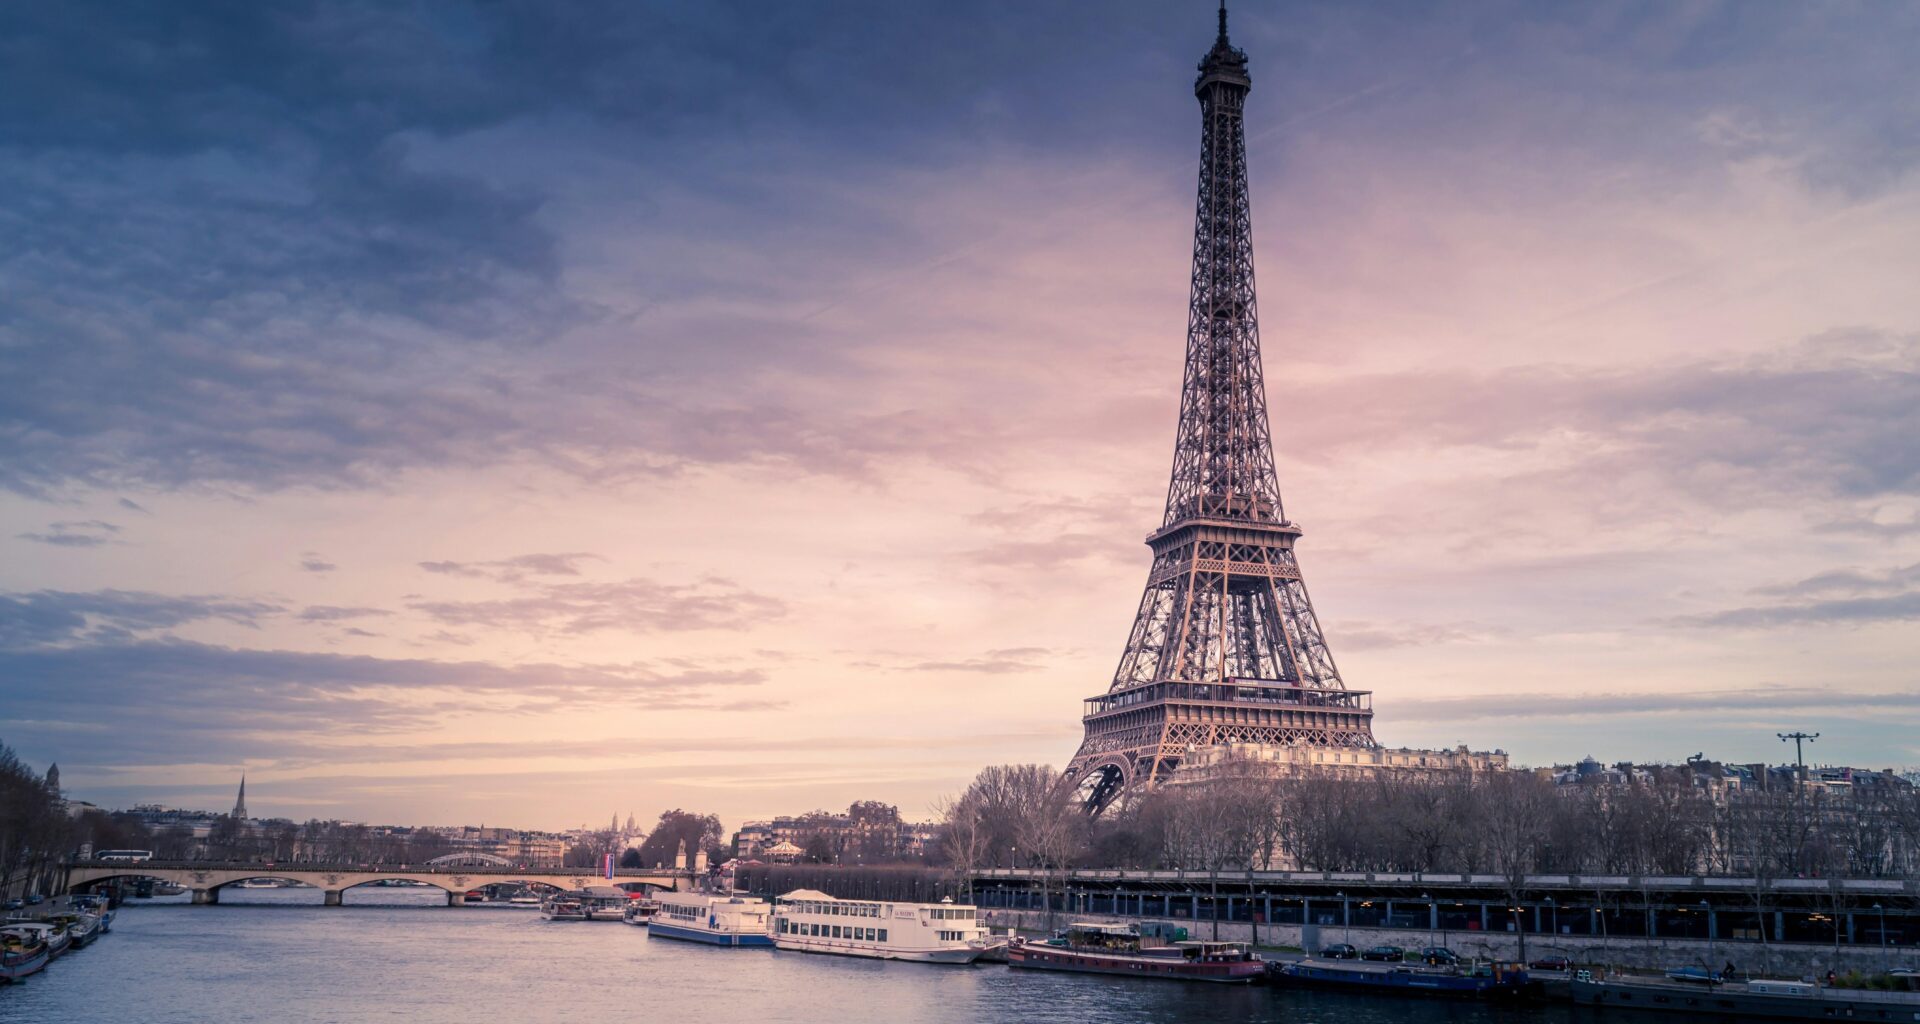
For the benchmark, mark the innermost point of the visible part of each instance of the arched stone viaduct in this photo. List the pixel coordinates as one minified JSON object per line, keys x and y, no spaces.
{"x":205,"y":880}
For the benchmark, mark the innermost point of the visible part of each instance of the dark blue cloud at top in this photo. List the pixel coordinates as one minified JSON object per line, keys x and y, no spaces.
{"x":223,"y":259}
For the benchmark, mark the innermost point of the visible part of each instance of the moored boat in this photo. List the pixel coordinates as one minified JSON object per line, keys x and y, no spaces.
{"x":1760,"y":999}
{"x":943,"y":933}
{"x":1091,"y":948}
{"x":640,"y":911}
{"x":1476,"y":981}
{"x":21,"y":955}
{"x":82,"y":929}
{"x":713,"y":919}
{"x":51,"y":935}
{"x":563,"y":908}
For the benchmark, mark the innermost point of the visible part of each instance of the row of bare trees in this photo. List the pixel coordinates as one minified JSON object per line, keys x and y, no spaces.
{"x":1506,"y":823}
{"x":33,"y":824}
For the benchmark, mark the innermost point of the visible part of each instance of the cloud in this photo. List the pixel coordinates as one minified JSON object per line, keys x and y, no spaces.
{"x":85,"y":534}
{"x":331,"y":613}
{"x":55,"y":617}
{"x":1852,"y":611}
{"x":1850,"y":582}
{"x":311,"y":562}
{"x":999,"y":662}
{"x":1607,"y":705}
{"x":517,"y":568}
{"x":1370,"y":636}
{"x":635,"y":605}
{"x":171,"y":701}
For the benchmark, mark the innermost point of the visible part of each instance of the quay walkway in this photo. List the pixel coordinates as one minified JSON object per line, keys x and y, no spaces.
{"x":1867,"y":913}
{"x":205,"y":879}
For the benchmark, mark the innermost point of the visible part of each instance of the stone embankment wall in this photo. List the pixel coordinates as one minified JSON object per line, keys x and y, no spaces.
{"x":1788,"y":960}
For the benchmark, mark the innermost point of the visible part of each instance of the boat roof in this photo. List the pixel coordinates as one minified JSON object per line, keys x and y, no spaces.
{"x":1101,"y":926}
{"x":808,"y":894}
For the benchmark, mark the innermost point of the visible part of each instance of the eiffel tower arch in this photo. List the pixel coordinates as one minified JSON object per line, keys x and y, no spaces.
{"x":1225,"y":647}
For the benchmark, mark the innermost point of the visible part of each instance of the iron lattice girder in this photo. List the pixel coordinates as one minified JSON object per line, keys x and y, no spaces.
{"x":1224,"y":601}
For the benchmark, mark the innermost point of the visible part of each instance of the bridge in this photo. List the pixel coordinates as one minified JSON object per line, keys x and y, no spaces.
{"x":205,"y":879}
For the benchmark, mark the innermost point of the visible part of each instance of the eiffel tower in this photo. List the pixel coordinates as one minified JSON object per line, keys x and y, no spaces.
{"x":1225,"y":647}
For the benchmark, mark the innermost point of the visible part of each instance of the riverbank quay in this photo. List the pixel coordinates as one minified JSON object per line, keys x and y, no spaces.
{"x":1792,"y":927}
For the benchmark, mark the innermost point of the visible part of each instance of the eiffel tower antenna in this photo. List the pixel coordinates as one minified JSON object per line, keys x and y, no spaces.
{"x":1225,"y":646}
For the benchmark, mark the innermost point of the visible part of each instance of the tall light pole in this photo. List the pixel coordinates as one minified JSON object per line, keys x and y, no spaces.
{"x":1706,"y":917}
{"x":1346,"y":918}
{"x":1882,"y":911}
{"x":1799,"y":757}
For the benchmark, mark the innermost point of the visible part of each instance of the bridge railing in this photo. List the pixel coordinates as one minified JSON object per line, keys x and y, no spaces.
{"x":269,"y":867}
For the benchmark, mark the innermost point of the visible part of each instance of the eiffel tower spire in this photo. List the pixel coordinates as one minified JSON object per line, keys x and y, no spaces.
{"x":1225,"y":646}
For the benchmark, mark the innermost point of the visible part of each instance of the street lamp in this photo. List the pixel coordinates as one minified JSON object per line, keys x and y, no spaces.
{"x":1706,"y":915}
{"x":1346,"y":918}
{"x":1433,"y":916}
{"x":1882,"y":911}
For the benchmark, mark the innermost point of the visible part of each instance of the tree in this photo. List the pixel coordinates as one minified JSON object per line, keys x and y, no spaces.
{"x":680,"y":831}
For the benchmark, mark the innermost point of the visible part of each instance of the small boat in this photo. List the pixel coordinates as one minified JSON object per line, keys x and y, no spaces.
{"x":82,"y":929}
{"x":936,"y":933}
{"x":524,"y":899}
{"x":1480,"y":980}
{"x":257,"y":883}
{"x":1693,"y":975}
{"x":1094,"y":948}
{"x":52,"y":936}
{"x":563,"y":908}
{"x":169,"y":889}
{"x":21,"y":955}
{"x":640,"y":911}
{"x":475,"y":896}
{"x":714,"y":919}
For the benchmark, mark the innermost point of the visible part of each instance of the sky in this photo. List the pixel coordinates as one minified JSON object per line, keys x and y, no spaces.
{"x":523,"y":413}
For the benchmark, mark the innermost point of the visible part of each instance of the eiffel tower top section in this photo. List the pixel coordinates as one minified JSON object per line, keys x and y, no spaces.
{"x":1223,"y":454}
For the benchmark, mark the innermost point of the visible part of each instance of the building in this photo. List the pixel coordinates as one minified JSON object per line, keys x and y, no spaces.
{"x":1228,"y":760}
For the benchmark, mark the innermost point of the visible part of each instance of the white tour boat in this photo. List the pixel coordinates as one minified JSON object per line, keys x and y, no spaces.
{"x":714,"y":919}
{"x":939,"y":933}
{"x":640,"y":911}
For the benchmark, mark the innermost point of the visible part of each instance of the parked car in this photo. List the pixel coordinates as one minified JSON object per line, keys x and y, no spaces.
{"x":1551,"y":963}
{"x":1391,"y":954}
{"x":1339,"y":951}
{"x":34,"y":897}
{"x":16,"y":903}
{"x":1439,"y":956}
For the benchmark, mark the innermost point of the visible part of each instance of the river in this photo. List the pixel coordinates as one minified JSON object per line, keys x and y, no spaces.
{"x":397,"y":954}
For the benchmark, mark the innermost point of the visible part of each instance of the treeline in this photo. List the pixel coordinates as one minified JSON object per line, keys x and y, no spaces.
{"x":34,"y":828}
{"x":1505,"y":823}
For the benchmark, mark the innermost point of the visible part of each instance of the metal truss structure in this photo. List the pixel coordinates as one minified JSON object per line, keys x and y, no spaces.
{"x":1225,"y":647}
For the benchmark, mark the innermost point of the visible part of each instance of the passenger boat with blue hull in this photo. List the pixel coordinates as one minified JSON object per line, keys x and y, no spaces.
{"x":807,"y":921}
{"x":1091,"y":948}
{"x":1470,"y":981}
{"x":713,"y":919}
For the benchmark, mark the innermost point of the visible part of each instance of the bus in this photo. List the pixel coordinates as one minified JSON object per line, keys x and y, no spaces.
{"x":133,"y":855}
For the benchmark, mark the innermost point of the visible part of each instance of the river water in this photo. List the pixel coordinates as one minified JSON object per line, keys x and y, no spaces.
{"x":397,"y":954}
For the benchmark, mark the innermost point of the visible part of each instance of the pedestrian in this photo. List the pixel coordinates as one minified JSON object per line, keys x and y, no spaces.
{"x":1829,"y":977}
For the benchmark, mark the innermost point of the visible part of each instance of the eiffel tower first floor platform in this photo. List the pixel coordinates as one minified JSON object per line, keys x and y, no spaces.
{"x":1139,"y":735}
